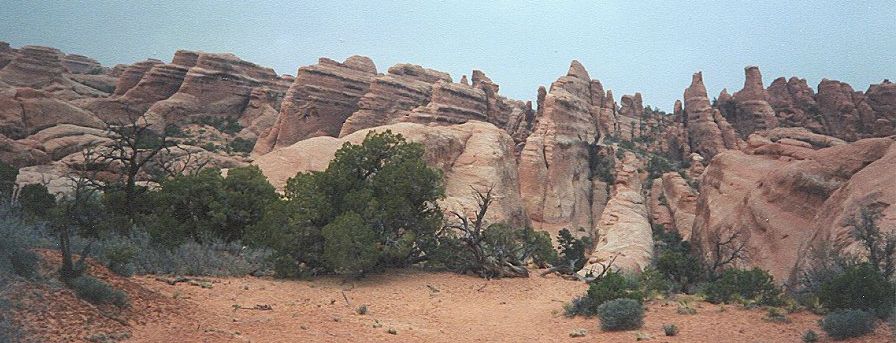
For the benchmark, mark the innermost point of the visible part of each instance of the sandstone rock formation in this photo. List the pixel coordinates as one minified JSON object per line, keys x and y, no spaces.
{"x":79,"y":64}
{"x":554,"y":168}
{"x":870,"y":188}
{"x":624,"y":233}
{"x":709,"y":133}
{"x":748,"y":110}
{"x":132,"y":74}
{"x":7,"y":54}
{"x":101,"y":82}
{"x":681,"y":200}
{"x":628,"y":120}
{"x":260,"y":114}
{"x":320,"y":99}
{"x":836,"y":110}
{"x":65,"y":139}
{"x":772,"y":196}
{"x":474,"y":154}
{"x":24,"y":111}
{"x":393,"y":96}
{"x":157,"y":83}
{"x":21,"y":154}
{"x":407,"y":93}
{"x":794,"y":103}
{"x":217,"y":87}
{"x":33,"y":66}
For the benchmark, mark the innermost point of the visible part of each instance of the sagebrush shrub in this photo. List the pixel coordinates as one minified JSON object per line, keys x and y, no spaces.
{"x":620,"y":314}
{"x":97,"y":292}
{"x":848,"y":323}
{"x":859,"y":287}
{"x":670,"y":329}
{"x":580,"y":306}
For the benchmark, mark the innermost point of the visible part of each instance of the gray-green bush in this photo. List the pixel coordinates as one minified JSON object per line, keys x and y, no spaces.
{"x":97,"y":292}
{"x":620,"y":315}
{"x":848,"y":323}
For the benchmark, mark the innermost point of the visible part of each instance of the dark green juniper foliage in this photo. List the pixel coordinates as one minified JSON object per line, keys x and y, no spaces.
{"x":752,"y":285}
{"x":35,"y":201}
{"x":241,"y":145}
{"x":207,"y":205}
{"x":8,"y":176}
{"x":836,"y":279}
{"x":382,"y":184}
{"x":675,"y":260}
{"x":602,"y":163}
{"x":860,"y":287}
{"x":572,"y":250}
{"x":606,"y":286}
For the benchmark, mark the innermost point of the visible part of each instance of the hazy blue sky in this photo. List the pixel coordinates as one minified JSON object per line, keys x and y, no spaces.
{"x":647,"y":46}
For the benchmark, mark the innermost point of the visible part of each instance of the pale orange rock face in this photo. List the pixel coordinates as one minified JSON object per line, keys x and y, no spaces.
{"x":776,"y":195}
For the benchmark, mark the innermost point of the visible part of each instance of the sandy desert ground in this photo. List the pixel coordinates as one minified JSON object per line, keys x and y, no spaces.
{"x":420,"y":306}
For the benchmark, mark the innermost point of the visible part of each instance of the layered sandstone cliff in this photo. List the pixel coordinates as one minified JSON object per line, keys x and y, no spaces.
{"x":217,"y":87}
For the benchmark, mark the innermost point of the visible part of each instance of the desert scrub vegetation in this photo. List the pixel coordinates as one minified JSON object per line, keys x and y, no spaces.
{"x":848,"y":323}
{"x":608,"y":285}
{"x":810,"y":336}
{"x":374,"y":207}
{"x":491,"y":250}
{"x":378,"y":196}
{"x":754,"y":286}
{"x":860,"y":287}
{"x":835,"y":279}
{"x":675,"y":260}
{"x":670,"y":329}
{"x":620,"y":315}
{"x":206,"y":205}
{"x":97,"y":292}
{"x":571,"y":256}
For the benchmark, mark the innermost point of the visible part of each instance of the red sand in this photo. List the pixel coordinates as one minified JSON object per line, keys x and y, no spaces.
{"x":420,"y":306}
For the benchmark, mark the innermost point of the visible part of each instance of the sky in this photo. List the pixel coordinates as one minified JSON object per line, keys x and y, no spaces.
{"x":651,"y":47}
